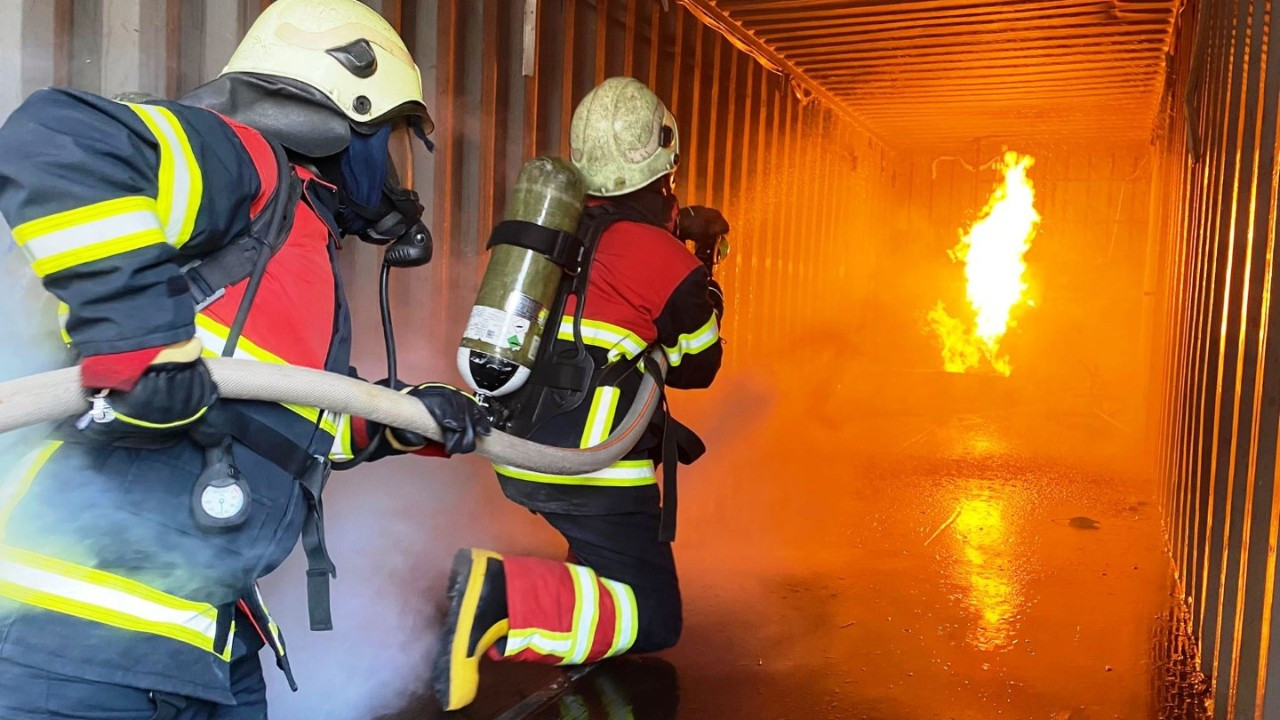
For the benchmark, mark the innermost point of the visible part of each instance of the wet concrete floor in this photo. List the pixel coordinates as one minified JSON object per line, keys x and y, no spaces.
{"x":986,"y":557}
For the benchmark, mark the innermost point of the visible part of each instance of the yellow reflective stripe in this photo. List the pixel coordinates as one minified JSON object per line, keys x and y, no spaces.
{"x":342,"y":450}
{"x":119,"y":602}
{"x":617,"y":340}
{"x":64,"y":315}
{"x":17,"y":485}
{"x":87,"y":234}
{"x":51,"y":225}
{"x":586,"y":613}
{"x":180,"y":181}
{"x":44,"y":267}
{"x":231,"y":633}
{"x":694,"y":342}
{"x":161,"y":426}
{"x":626,"y":616}
{"x":628,"y":473}
{"x":543,"y":642}
{"x":271,"y":622}
{"x":213,"y":335}
{"x":600,"y":420}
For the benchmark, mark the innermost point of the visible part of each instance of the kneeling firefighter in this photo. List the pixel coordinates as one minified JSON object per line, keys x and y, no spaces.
{"x":637,"y":288}
{"x":131,"y":543}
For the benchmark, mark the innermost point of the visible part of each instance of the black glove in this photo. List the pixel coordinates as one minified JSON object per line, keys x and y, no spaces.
{"x":701,"y":224}
{"x":460,"y":418}
{"x":167,"y":402}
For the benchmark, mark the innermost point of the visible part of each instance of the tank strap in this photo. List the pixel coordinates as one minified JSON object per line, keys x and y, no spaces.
{"x":209,"y":278}
{"x":562,"y":248}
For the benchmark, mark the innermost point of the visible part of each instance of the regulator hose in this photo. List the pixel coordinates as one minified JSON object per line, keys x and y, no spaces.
{"x":58,"y":394}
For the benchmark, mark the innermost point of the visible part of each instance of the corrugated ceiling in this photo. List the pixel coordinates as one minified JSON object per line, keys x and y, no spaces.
{"x":947,"y":71}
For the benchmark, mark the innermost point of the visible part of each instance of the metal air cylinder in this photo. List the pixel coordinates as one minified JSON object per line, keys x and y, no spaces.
{"x":519,"y":289}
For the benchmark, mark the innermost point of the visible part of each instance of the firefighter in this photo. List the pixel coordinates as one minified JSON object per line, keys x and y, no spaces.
{"x":619,"y":592}
{"x":128,"y":560}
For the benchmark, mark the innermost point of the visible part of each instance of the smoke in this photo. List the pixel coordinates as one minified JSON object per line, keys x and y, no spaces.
{"x":32,"y":343}
{"x":392,"y":526}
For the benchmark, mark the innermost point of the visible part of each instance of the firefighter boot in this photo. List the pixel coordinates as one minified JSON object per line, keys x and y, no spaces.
{"x":477,"y":620}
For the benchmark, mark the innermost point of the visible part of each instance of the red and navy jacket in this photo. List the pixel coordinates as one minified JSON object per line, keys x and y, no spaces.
{"x":109,"y":201}
{"x":109,"y":218}
{"x":646,"y":290}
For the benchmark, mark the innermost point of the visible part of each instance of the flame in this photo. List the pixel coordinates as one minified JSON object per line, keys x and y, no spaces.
{"x":993,"y":251}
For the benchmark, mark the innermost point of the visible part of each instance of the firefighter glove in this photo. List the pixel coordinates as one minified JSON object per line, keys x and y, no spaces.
{"x":458,"y":414}
{"x":168,"y":399}
{"x":701,"y":224}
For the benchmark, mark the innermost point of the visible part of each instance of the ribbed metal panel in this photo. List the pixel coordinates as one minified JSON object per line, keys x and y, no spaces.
{"x":938,"y":71}
{"x":797,"y":180}
{"x":807,"y":190}
{"x":1216,"y":195}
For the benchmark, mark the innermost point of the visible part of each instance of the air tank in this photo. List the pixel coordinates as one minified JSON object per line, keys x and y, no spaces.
{"x":519,"y":289}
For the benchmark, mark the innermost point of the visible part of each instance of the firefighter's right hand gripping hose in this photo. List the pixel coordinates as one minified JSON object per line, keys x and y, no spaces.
{"x":58,"y":394}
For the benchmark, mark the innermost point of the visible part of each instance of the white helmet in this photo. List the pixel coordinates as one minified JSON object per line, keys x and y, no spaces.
{"x":309,"y":71}
{"x":623,"y":138}
{"x":342,"y":48}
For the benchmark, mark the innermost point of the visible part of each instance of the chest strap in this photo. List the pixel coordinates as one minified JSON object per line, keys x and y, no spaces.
{"x":209,"y":278}
{"x":312,"y":473}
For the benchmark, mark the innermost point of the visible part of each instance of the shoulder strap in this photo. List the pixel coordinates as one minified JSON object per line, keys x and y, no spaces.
{"x":209,"y":278}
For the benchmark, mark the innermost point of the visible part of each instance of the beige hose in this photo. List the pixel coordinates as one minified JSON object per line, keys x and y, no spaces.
{"x":58,"y":394}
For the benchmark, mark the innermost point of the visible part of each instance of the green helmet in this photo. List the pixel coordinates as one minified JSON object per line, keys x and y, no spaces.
{"x":623,"y":138}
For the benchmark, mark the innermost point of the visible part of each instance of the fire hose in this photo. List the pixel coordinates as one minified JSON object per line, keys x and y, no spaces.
{"x":58,"y":394}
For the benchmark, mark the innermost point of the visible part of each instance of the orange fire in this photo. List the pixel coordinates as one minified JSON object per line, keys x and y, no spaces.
{"x":993,"y":251}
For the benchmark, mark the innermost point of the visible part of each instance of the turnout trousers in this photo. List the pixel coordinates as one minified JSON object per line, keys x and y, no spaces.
{"x":618,"y":593}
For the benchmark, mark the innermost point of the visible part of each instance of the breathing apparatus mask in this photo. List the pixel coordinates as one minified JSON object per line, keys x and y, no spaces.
{"x":376,"y":202}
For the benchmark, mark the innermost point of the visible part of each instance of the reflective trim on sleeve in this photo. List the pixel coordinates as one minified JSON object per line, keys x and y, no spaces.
{"x":628,"y":473}
{"x":619,"y":341}
{"x":93,"y":232}
{"x":181,"y":184}
{"x":604,"y":405}
{"x":695,"y":342}
{"x":90,"y":594}
{"x":626,"y":616}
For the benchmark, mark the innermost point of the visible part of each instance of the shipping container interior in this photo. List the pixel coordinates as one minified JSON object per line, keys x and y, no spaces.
{"x":995,"y":435}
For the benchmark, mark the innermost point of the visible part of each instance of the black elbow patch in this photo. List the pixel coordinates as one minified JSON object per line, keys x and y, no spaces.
{"x":176,"y":286}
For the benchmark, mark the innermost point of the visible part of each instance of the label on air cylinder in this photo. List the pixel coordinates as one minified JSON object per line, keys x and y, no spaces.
{"x":503,"y":329}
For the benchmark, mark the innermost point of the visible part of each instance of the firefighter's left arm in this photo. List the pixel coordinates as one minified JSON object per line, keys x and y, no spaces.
{"x":689,"y":332}
{"x":107,"y":198}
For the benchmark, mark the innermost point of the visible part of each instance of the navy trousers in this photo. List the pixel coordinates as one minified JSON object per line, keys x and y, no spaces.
{"x":28,"y":693}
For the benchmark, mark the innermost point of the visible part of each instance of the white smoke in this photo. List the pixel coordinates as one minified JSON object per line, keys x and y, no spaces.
{"x":392,"y":526}
{"x":32,"y":341}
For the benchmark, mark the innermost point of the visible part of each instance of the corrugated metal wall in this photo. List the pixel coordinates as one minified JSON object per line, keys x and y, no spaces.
{"x":806,"y":190}
{"x":1214,"y":245}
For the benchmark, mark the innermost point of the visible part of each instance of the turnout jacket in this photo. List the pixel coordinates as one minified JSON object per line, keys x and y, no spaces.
{"x":645,"y":290}
{"x":103,"y":574}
